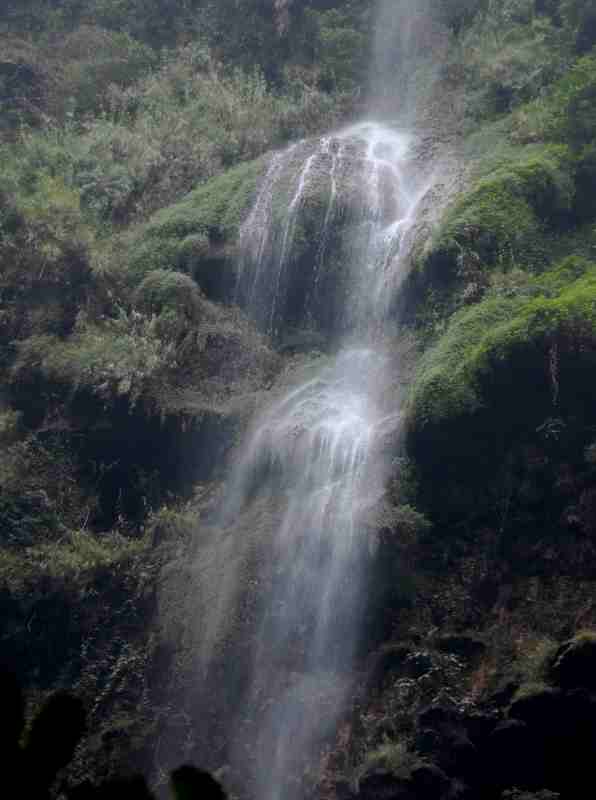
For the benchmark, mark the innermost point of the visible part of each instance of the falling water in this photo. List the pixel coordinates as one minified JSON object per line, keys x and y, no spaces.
{"x":316,"y":451}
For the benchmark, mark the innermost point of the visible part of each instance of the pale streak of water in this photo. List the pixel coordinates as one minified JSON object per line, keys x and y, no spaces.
{"x":290,"y":227}
{"x":328,"y":148}
{"x":317,"y":449}
{"x":255,"y":233}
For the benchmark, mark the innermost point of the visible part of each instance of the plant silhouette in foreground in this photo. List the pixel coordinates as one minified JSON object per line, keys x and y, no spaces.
{"x":33,"y":762}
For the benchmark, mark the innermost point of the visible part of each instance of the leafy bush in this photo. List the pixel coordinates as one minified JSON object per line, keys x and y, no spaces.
{"x":580,"y":17}
{"x":44,"y":256}
{"x":567,"y":112}
{"x":119,"y":357}
{"x":339,"y":48}
{"x":165,"y":290}
{"x":506,"y":55}
{"x":39,"y":492}
{"x":93,"y":59}
{"x":393,"y":756}
{"x":81,"y":551}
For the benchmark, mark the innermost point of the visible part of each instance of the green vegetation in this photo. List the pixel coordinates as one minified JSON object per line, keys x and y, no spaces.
{"x":565,"y":112}
{"x":502,"y":221}
{"x":163,"y":290}
{"x":393,"y":756}
{"x":456,"y":374}
{"x":114,"y":359}
{"x":180,"y":235}
{"x":79,"y":557}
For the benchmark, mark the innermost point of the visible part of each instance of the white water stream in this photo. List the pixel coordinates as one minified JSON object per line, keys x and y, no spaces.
{"x":317,"y":448}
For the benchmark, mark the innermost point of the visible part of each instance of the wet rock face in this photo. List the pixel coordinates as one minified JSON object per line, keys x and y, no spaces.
{"x":317,"y":209}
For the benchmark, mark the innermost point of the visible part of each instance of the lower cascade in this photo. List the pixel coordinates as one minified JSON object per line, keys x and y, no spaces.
{"x":313,"y":466}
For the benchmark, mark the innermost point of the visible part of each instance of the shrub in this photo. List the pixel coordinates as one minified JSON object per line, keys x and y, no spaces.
{"x":44,"y":257}
{"x":580,"y":18}
{"x":40,"y":493}
{"x":393,"y":756}
{"x":339,"y":48}
{"x":568,"y":112}
{"x":165,"y":290}
{"x":119,"y":357}
{"x":93,"y":59}
{"x":29,"y":87}
{"x":506,"y":55}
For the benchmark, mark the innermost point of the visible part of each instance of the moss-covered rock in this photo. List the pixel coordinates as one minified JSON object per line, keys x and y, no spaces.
{"x":507,"y":371}
{"x":502,"y":220}
{"x":537,"y":705}
{"x":198,"y":234}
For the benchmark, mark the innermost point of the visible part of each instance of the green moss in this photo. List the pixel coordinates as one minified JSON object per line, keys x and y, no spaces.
{"x":501,"y":221}
{"x":180,"y":235}
{"x":482,"y":340}
{"x":445,"y":383}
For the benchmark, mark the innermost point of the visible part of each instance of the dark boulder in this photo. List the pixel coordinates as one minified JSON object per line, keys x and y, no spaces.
{"x":464,"y":757}
{"x":578,"y":713}
{"x":438,"y":714}
{"x":503,"y":695}
{"x":461,"y":791}
{"x":480,"y":724}
{"x":513,"y":756}
{"x":540,"y":707}
{"x":442,"y":736}
{"x":574,"y":663}
{"x":382,"y":784}
{"x":429,"y":782}
{"x":428,"y":741}
{"x":425,"y":781}
{"x":343,"y":789}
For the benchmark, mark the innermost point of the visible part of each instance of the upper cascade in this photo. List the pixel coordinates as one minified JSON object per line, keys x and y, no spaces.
{"x":323,"y":243}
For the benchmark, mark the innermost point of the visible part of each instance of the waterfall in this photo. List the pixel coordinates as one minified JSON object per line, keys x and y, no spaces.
{"x":313,"y":462}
